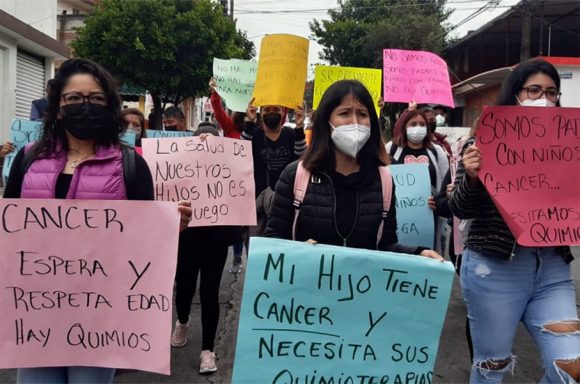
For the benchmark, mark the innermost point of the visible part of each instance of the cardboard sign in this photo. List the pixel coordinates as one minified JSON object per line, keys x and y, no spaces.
{"x":282,"y":68}
{"x":235,"y":81}
{"x":154,"y":134}
{"x":414,"y":217}
{"x":415,"y":76}
{"x":327,"y":314}
{"x":531,"y":169}
{"x":22,"y":132}
{"x":216,"y":175}
{"x":325,"y":76}
{"x":87,"y":283}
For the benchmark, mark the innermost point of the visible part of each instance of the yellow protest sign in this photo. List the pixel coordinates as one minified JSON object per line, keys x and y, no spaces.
{"x":281,"y":71}
{"x":325,"y":76}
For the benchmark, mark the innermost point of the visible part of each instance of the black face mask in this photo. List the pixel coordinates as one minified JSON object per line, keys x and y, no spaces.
{"x":86,"y":122}
{"x":432,"y":126}
{"x":272,"y":120}
{"x":171,"y":127}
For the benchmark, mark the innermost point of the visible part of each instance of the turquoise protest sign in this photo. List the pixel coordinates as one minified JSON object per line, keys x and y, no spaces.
{"x":414,"y":217}
{"x":327,"y":314}
{"x":235,"y":81}
{"x":22,"y":132}
{"x":154,"y":134}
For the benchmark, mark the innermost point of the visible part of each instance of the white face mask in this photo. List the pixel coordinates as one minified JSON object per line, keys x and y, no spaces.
{"x":440,"y":119}
{"x":350,"y":138}
{"x":416,"y":134}
{"x":537,"y":103}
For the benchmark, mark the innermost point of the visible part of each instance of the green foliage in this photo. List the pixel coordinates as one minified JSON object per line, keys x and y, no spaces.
{"x":165,"y":46}
{"x":359,"y":30}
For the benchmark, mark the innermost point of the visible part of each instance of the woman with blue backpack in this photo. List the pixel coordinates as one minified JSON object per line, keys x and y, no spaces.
{"x":341,"y":192}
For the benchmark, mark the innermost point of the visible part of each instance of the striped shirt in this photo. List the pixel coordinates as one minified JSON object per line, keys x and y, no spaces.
{"x":488,"y":232}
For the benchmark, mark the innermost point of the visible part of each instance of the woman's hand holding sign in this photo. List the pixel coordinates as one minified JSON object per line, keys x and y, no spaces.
{"x":472,"y":164}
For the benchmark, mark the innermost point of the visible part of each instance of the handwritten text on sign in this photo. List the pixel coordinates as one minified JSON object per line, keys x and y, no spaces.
{"x":325,"y":76}
{"x":235,"y":81}
{"x":216,"y":175}
{"x":22,"y":132}
{"x":414,"y":217}
{"x":155,"y":133}
{"x":415,"y":76}
{"x":531,"y":169}
{"x":319,"y":313}
{"x":282,"y":68}
{"x":104,"y":302}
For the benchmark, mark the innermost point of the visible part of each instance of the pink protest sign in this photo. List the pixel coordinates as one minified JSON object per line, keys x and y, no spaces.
{"x":216,"y":175}
{"x":87,"y":283}
{"x":531,"y":169}
{"x":415,"y":76}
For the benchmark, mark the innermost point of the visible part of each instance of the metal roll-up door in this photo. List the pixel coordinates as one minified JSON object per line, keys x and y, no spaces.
{"x":30,"y":82}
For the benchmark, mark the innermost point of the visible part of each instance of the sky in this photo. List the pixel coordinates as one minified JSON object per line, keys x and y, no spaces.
{"x":293,"y":16}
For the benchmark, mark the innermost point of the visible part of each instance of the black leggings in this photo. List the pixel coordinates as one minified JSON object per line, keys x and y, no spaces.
{"x":200,"y":252}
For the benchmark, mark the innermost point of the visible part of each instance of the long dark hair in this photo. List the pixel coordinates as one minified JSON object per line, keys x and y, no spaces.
{"x":320,"y":153}
{"x":400,"y":131}
{"x":517,"y":79}
{"x":53,"y":133}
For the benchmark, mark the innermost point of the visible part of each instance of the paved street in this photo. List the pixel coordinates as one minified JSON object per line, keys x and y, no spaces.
{"x":452,"y":360}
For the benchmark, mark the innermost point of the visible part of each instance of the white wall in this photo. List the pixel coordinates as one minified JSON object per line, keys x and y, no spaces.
{"x":8,"y":51}
{"x":569,"y":87}
{"x":39,"y":14}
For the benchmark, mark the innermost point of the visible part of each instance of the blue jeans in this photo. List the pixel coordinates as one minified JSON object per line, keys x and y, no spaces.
{"x":535,"y":287}
{"x":61,"y":375}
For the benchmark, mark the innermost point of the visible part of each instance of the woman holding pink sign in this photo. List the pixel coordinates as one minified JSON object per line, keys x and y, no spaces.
{"x":503,"y":282}
{"x":80,"y":156}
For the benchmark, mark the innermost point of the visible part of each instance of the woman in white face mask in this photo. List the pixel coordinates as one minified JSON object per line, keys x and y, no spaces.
{"x":343,"y":194}
{"x":412,"y":144}
{"x":505,"y":283}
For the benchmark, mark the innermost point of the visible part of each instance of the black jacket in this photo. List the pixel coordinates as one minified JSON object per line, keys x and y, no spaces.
{"x":318,"y":220}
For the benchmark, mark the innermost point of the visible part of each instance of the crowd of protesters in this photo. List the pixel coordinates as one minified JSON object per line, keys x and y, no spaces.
{"x":80,"y":155}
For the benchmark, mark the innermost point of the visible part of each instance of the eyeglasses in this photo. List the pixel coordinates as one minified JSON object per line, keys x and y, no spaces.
{"x":77,"y":98}
{"x":535,"y":93}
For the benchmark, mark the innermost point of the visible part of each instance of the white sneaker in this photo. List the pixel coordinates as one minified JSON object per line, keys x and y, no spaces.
{"x":179,"y":335}
{"x":207,"y":363}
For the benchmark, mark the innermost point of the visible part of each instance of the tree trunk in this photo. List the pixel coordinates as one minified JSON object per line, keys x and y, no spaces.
{"x":155,"y":122}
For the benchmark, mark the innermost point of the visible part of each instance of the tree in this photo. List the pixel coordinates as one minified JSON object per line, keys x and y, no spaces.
{"x":359,"y":30}
{"x":164,"y":46}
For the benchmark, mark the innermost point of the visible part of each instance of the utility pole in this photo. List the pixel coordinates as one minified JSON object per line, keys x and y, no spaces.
{"x":526,"y":30}
{"x":232,"y":9}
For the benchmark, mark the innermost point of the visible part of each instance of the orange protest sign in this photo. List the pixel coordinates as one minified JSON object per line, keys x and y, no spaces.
{"x":530,"y":167}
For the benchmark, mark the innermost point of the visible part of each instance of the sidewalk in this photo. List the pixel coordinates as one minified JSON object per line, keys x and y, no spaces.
{"x":452,"y":360}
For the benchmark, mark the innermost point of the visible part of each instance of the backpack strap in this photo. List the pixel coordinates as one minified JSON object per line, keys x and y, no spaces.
{"x":432,"y":153}
{"x":394,"y":151}
{"x":129,"y":171}
{"x":398,"y":153}
{"x":27,"y":159}
{"x":387,"y":189}
{"x":300,"y":185}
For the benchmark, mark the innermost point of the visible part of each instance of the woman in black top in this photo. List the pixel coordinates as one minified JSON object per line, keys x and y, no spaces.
{"x":343,"y":201}
{"x":505,"y":283}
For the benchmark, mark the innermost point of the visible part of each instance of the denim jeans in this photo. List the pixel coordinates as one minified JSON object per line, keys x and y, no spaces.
{"x":61,"y":375}
{"x":535,"y":287}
